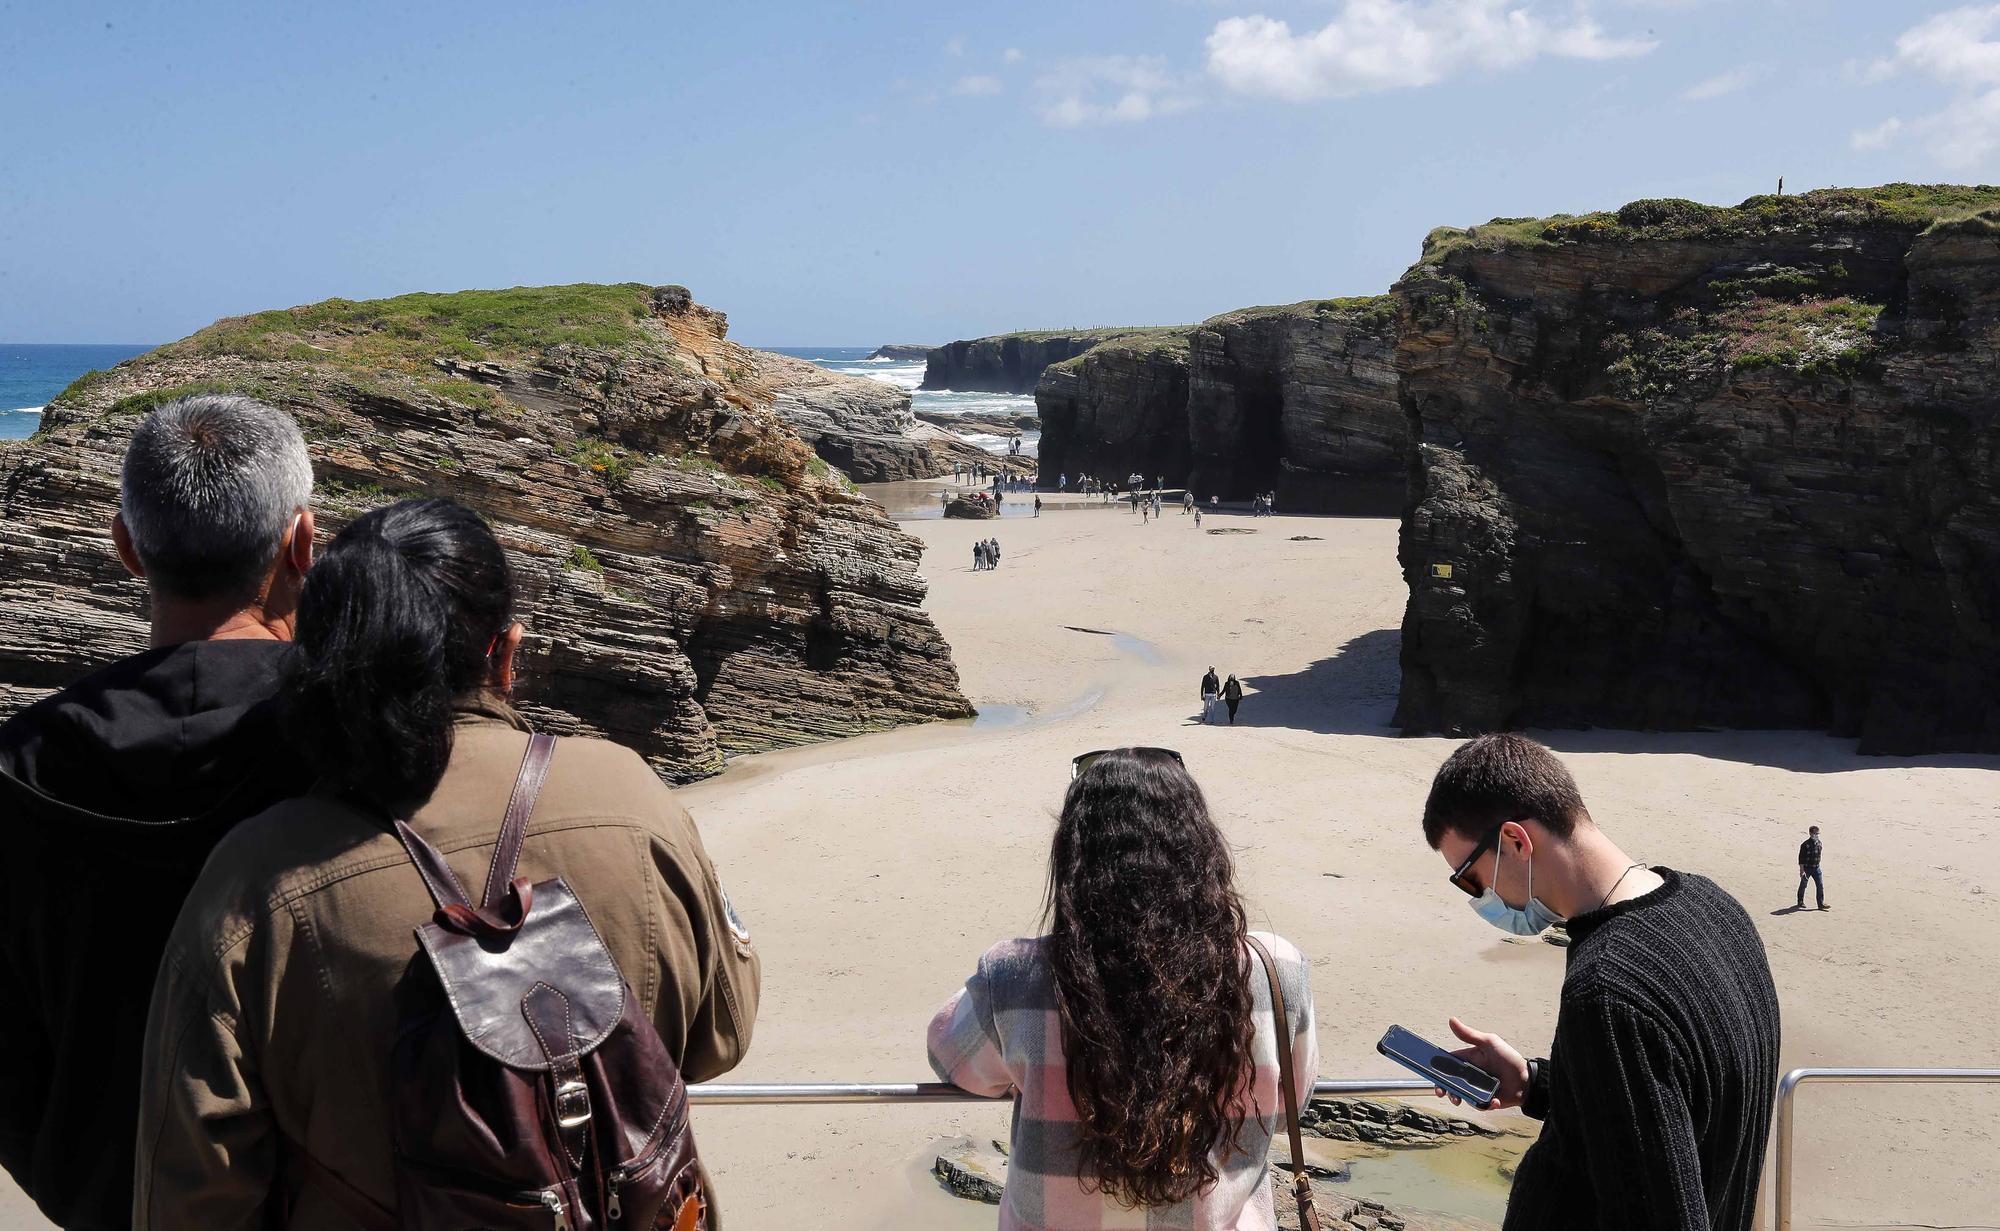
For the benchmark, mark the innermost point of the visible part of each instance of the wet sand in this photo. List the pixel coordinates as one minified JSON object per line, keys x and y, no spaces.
{"x":875,"y":871}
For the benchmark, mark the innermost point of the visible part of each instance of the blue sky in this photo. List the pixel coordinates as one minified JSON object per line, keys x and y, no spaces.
{"x":854,"y":173}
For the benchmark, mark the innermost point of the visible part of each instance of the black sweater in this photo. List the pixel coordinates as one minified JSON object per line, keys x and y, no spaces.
{"x":1657,"y":1095}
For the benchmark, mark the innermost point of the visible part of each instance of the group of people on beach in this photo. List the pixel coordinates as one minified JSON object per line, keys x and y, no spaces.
{"x":986,"y":555}
{"x":227,"y":849}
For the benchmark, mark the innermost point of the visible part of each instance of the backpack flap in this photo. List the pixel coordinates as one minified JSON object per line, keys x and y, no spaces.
{"x":489,"y":980}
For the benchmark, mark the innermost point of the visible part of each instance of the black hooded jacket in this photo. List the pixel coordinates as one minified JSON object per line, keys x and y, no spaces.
{"x":112,"y":793}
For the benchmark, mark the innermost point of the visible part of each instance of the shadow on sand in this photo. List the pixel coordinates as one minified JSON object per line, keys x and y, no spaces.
{"x":1354,"y":693}
{"x":1351,"y":693}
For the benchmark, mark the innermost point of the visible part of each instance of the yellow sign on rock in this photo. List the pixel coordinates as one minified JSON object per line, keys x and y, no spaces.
{"x":1441,"y":571}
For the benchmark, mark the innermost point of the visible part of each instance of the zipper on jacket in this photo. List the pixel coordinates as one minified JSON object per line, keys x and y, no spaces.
{"x":552,"y":1201}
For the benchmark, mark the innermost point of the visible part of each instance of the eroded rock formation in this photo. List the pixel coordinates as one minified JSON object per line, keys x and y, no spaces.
{"x":1300,"y":400}
{"x":1683,"y":467}
{"x":1011,"y":362}
{"x":863,"y":427}
{"x":899,"y":351}
{"x":694,"y":580}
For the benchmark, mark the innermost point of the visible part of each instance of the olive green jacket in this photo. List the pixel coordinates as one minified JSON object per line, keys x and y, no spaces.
{"x":273,"y":1016}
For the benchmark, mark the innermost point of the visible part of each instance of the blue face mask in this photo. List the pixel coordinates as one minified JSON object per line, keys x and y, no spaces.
{"x":1530,"y":920}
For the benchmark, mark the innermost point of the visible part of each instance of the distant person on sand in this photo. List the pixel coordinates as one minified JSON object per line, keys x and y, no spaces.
{"x":1138,"y":1035}
{"x":1197,"y":519}
{"x":1211,"y":689}
{"x":116,"y":789}
{"x":1214,"y":502}
{"x":993,"y":552}
{"x":1809,"y":853}
{"x":1656,"y":1100}
{"x":1232,"y":696}
{"x":1038,"y":505}
{"x":979,"y":556}
{"x":1145,"y":510}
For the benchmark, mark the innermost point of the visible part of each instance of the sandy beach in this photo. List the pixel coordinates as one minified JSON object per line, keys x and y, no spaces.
{"x":874,"y":872}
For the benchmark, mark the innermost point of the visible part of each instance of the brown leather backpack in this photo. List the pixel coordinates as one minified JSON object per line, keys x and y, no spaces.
{"x":529,"y":1090}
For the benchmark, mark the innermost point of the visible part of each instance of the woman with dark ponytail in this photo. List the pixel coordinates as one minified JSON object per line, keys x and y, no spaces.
{"x":273,"y":1019}
{"x":1138,"y":1034}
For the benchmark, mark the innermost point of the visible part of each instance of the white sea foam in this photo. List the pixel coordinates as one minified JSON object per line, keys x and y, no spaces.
{"x":26,"y":410}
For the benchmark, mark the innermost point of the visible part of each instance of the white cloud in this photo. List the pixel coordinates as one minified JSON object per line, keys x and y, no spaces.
{"x":1011,"y":56}
{"x":1958,"y":49}
{"x":1375,"y":45}
{"x":955,"y":47}
{"x":978,"y":85}
{"x":1880,"y":137}
{"x":1109,"y":90}
{"x":1736,"y":79}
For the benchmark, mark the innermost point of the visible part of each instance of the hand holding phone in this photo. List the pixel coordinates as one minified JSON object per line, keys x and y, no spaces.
{"x":1454,"y":1076}
{"x":1498,"y":1057}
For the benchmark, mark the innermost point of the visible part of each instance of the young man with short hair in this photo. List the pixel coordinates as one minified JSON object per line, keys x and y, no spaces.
{"x":1656,"y":1096}
{"x":115,"y":789}
{"x":1809,"y":856}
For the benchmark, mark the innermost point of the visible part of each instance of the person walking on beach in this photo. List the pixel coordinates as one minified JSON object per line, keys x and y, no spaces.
{"x":1809,"y":854}
{"x":1145,"y":510}
{"x":1656,"y":1099}
{"x":1038,"y":505}
{"x":993,"y":553}
{"x":1232,"y":696}
{"x":979,"y":556}
{"x":1211,"y":689}
{"x":1139,"y":1035}
{"x":272,"y":1043}
{"x":1197,"y":519}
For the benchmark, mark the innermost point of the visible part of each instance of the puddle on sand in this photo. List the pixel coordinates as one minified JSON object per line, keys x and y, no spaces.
{"x":1461,"y":1178}
{"x":1008,"y":717}
{"x":1138,"y":647}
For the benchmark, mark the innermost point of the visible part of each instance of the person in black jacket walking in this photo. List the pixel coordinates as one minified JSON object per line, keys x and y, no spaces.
{"x":1809,"y":853}
{"x":1232,"y":696}
{"x":1656,"y":1097}
{"x":114,"y":790}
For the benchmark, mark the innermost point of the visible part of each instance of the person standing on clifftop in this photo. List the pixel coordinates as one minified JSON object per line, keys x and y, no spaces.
{"x":116,"y":789}
{"x":1809,"y":854}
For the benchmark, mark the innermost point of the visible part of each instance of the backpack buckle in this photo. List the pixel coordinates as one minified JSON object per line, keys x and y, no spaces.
{"x":572,"y":1104}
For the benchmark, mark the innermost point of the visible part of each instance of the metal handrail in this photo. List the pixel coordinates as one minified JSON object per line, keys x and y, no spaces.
{"x":1798,"y":1077}
{"x":939,"y":1092}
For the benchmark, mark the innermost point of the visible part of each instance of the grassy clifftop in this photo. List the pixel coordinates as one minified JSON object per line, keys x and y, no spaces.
{"x":1906,"y":207}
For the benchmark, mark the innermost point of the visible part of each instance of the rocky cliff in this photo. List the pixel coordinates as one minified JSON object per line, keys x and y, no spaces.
{"x":1011,"y":362}
{"x":899,"y":351}
{"x":695,"y":581}
{"x":1298,"y":399}
{"x":1680,"y":466}
{"x":863,"y":427}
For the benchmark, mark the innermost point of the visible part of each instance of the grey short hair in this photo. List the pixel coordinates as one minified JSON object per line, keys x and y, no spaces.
{"x":210,"y":484}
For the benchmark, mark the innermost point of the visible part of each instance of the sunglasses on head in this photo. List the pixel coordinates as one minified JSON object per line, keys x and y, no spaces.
{"x":1085,"y":760}
{"x":1462,"y":875}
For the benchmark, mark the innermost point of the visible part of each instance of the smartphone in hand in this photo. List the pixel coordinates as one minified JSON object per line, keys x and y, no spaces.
{"x":1447,"y":1072}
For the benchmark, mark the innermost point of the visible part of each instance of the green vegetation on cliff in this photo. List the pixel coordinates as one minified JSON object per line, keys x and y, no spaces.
{"x":1904,"y":207}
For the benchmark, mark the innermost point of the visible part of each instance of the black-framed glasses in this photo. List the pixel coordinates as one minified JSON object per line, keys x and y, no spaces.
{"x":1462,"y":875}
{"x":1085,"y":760}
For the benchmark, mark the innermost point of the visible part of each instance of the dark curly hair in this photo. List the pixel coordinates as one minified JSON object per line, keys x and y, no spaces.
{"x":1146,"y":938}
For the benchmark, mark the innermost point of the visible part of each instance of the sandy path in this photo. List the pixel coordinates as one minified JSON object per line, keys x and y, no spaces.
{"x":874,"y":872}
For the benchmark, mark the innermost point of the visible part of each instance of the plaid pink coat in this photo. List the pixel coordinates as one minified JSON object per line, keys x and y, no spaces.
{"x":1000,"y":1033}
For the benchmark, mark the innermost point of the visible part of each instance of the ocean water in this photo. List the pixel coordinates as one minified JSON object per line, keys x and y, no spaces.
{"x":31,"y":375}
{"x":908,"y":374}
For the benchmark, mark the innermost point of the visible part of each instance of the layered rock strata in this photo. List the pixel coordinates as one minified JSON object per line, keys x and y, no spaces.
{"x":1686,"y":467}
{"x":863,"y":427}
{"x":900,"y":352}
{"x":693,"y":579}
{"x":1011,"y":362}
{"x":1300,"y":400}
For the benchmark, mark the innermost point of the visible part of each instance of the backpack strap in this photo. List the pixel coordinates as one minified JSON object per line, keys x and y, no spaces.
{"x":454,"y":906}
{"x":1282,"y":1031}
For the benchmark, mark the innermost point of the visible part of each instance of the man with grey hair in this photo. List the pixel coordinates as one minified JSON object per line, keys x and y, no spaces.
{"x":115,"y":789}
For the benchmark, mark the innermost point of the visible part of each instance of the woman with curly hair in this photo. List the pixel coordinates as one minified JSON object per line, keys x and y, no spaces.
{"x":1137,"y":1035}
